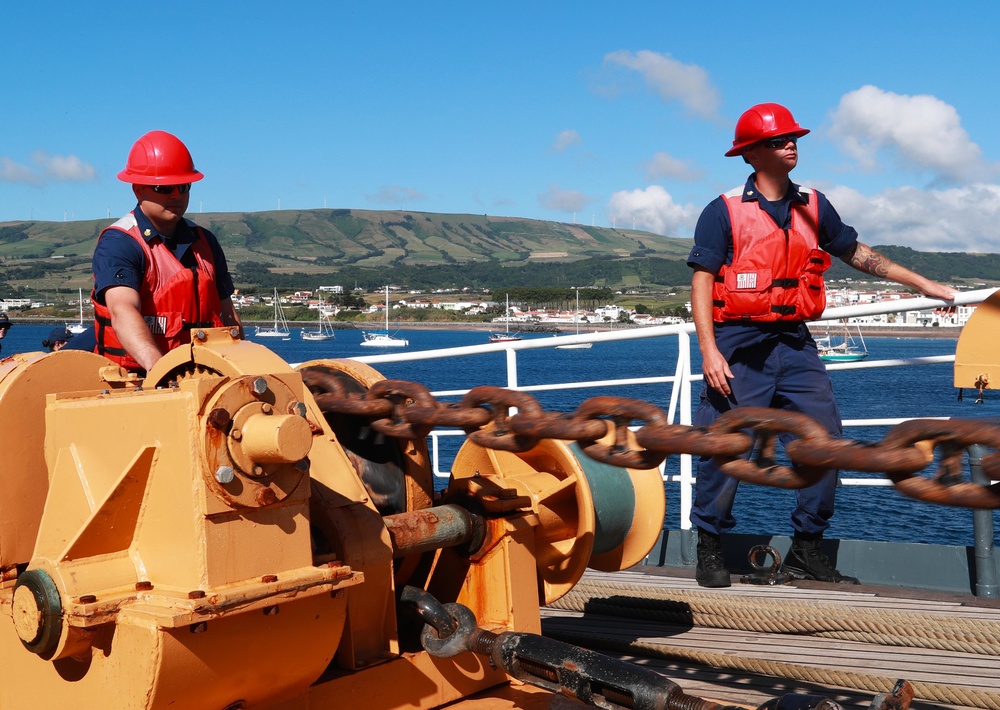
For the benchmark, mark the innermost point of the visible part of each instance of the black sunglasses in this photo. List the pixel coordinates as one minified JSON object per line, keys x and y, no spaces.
{"x":778,"y":141}
{"x":169,"y":189}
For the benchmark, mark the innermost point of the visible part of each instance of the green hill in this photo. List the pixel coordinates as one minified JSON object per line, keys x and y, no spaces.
{"x":414,"y":250}
{"x":56,"y":255}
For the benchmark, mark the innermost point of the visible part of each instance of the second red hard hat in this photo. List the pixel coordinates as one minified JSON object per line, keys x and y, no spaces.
{"x":159,"y":158}
{"x":763,"y":121}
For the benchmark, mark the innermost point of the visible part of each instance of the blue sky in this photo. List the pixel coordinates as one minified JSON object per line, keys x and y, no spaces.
{"x":606,"y":113}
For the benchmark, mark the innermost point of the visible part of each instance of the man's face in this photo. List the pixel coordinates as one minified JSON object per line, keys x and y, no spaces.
{"x":162,"y":209}
{"x":3,"y":331}
{"x":767,"y":158}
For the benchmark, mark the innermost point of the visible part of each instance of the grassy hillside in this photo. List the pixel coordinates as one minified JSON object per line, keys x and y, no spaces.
{"x":414,"y":250}
{"x":56,"y":254}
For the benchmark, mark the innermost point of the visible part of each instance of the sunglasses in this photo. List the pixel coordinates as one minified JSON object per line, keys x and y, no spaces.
{"x":780,"y":141}
{"x":169,"y":189}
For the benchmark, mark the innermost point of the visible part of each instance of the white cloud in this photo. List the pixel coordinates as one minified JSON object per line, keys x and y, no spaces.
{"x":395,"y":195}
{"x":957,"y":219}
{"x":652,"y":209}
{"x":16,"y":172}
{"x":67,"y":168}
{"x":671,"y":80}
{"x":664,"y":165}
{"x":565,"y":139}
{"x":561,"y":200}
{"x":922,"y":132}
{"x":46,"y":168}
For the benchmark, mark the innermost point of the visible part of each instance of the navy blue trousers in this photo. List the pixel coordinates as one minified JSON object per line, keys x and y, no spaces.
{"x":784,"y":375}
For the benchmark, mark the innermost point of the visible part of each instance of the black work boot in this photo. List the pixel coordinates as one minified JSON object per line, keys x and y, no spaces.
{"x":711,"y":570}
{"x":805,"y":560}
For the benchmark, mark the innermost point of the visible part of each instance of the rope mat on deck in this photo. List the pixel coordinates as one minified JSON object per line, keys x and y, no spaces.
{"x":783,"y":616}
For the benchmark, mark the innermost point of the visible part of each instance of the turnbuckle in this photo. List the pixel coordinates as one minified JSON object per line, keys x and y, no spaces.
{"x":588,"y":676}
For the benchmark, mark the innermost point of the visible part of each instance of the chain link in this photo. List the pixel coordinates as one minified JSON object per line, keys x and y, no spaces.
{"x":744,"y":441}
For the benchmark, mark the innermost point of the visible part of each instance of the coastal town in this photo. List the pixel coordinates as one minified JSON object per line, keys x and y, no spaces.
{"x":522,"y":316}
{"x":517,"y":315}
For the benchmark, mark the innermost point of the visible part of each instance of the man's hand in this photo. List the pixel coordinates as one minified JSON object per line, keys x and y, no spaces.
{"x":713,"y":366}
{"x":717,"y":373}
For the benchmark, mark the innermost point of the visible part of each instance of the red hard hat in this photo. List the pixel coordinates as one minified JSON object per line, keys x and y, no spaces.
{"x":763,"y":121}
{"x":159,"y":158}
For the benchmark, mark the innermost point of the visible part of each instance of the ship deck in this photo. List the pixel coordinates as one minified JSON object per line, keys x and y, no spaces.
{"x":749,"y":643}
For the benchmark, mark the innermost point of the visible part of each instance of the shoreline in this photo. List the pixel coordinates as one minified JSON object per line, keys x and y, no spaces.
{"x":558,"y":328}
{"x":566,"y":329}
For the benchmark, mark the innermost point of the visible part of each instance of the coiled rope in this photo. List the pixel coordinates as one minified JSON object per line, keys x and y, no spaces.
{"x":715,"y":610}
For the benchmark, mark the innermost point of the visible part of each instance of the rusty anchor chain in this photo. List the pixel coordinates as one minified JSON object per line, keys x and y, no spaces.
{"x":744,"y":440}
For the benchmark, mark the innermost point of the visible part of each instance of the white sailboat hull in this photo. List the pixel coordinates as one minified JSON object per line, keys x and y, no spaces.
{"x":382,"y":340}
{"x":280,"y":327}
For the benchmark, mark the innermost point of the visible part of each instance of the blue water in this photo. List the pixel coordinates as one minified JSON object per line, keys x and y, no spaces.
{"x":862,"y":512}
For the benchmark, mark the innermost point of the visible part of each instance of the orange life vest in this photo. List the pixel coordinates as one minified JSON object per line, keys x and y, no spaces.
{"x":775,"y":274}
{"x":173,"y":298}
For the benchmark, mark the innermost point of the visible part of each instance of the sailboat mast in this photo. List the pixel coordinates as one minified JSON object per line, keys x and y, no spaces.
{"x":576,"y":316}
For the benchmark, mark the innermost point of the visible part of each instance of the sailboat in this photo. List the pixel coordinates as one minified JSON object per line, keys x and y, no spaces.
{"x":846,"y":350}
{"x":381,"y":338}
{"x":506,"y":335}
{"x":280,"y":327}
{"x":325,"y":330}
{"x":77,"y":328}
{"x":576,"y":317}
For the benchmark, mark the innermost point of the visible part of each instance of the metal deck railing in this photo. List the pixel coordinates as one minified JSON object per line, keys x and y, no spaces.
{"x":681,"y":381}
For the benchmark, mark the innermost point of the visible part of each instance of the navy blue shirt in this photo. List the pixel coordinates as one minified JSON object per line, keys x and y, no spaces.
{"x":119,"y":260}
{"x":713,"y":247}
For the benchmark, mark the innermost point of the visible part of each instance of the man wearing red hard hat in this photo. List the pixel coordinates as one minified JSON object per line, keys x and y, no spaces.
{"x":759,"y":254}
{"x":157,"y":275}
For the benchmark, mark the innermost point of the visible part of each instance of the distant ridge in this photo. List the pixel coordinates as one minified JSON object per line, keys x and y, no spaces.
{"x":370,"y":238}
{"x":416,"y":249}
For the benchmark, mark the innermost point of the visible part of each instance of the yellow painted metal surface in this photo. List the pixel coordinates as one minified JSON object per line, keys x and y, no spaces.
{"x":202,"y":539}
{"x":976,"y":362}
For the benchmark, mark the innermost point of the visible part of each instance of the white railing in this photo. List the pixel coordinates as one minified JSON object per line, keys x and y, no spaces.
{"x":682,"y":381}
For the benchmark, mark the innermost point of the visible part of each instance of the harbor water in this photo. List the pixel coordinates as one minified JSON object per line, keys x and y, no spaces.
{"x":863,"y":512}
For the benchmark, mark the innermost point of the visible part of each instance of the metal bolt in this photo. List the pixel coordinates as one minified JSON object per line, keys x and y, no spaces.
{"x":271,"y":610}
{"x":200,"y":335}
{"x":269,"y":578}
{"x":265,"y":496}
{"x":302,"y":466}
{"x":196,"y":594}
{"x":258,"y":470}
{"x":297,"y":408}
{"x":234,"y":333}
{"x":199,"y":628}
{"x":88,"y":599}
{"x":143,"y":586}
{"x":224,"y":474}
{"x":236,"y":434}
{"x":259,"y":386}
{"x":266,"y":408}
{"x":219,"y":418}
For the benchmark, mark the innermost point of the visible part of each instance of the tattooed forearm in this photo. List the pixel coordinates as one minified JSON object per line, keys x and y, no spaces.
{"x":869,"y":261}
